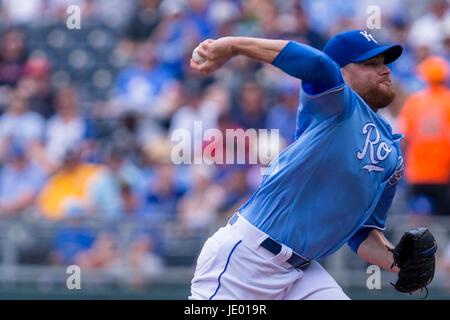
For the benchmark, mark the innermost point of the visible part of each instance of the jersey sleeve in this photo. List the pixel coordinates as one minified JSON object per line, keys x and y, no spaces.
{"x":377,"y":220}
{"x":378,"y":217}
{"x":317,"y":70}
{"x":355,"y":241}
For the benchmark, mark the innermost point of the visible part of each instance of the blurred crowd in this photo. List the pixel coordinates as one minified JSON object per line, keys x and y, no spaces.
{"x":86,"y":116}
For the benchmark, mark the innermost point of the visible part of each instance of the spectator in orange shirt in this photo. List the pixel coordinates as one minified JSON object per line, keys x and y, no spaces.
{"x":425,"y":120}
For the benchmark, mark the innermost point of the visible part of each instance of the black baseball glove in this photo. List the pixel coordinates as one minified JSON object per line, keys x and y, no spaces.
{"x":415,"y":257}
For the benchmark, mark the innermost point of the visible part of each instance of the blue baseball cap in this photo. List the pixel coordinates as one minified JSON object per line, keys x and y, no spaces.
{"x":357,"y":46}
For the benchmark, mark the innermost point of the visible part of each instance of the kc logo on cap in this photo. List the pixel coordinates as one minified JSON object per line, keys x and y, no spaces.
{"x":358,"y":45}
{"x":368,"y":36}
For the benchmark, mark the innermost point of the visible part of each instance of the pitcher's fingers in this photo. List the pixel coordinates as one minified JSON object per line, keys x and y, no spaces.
{"x":204,"y":68}
{"x":208,"y":67}
{"x":205,"y":44}
{"x":195,"y":65}
{"x":201,"y":52}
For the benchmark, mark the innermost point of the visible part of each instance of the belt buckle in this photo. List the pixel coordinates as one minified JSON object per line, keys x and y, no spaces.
{"x":298,"y":261}
{"x":304,"y":265}
{"x":275,"y":248}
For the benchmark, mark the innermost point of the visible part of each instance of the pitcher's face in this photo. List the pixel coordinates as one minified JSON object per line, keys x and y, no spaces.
{"x":371,"y":79}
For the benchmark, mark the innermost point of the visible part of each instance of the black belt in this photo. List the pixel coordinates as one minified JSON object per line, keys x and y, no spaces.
{"x":274,"y":247}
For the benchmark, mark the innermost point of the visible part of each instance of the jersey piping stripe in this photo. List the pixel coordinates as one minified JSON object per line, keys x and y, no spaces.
{"x":225,"y":269}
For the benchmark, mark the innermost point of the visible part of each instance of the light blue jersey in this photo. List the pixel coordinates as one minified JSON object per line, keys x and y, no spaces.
{"x":338,"y":177}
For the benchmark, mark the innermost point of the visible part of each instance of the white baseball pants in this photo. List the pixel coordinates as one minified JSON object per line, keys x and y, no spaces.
{"x":233,"y":266}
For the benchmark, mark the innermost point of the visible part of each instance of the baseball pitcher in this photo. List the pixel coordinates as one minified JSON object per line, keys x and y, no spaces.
{"x":332,"y":186}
